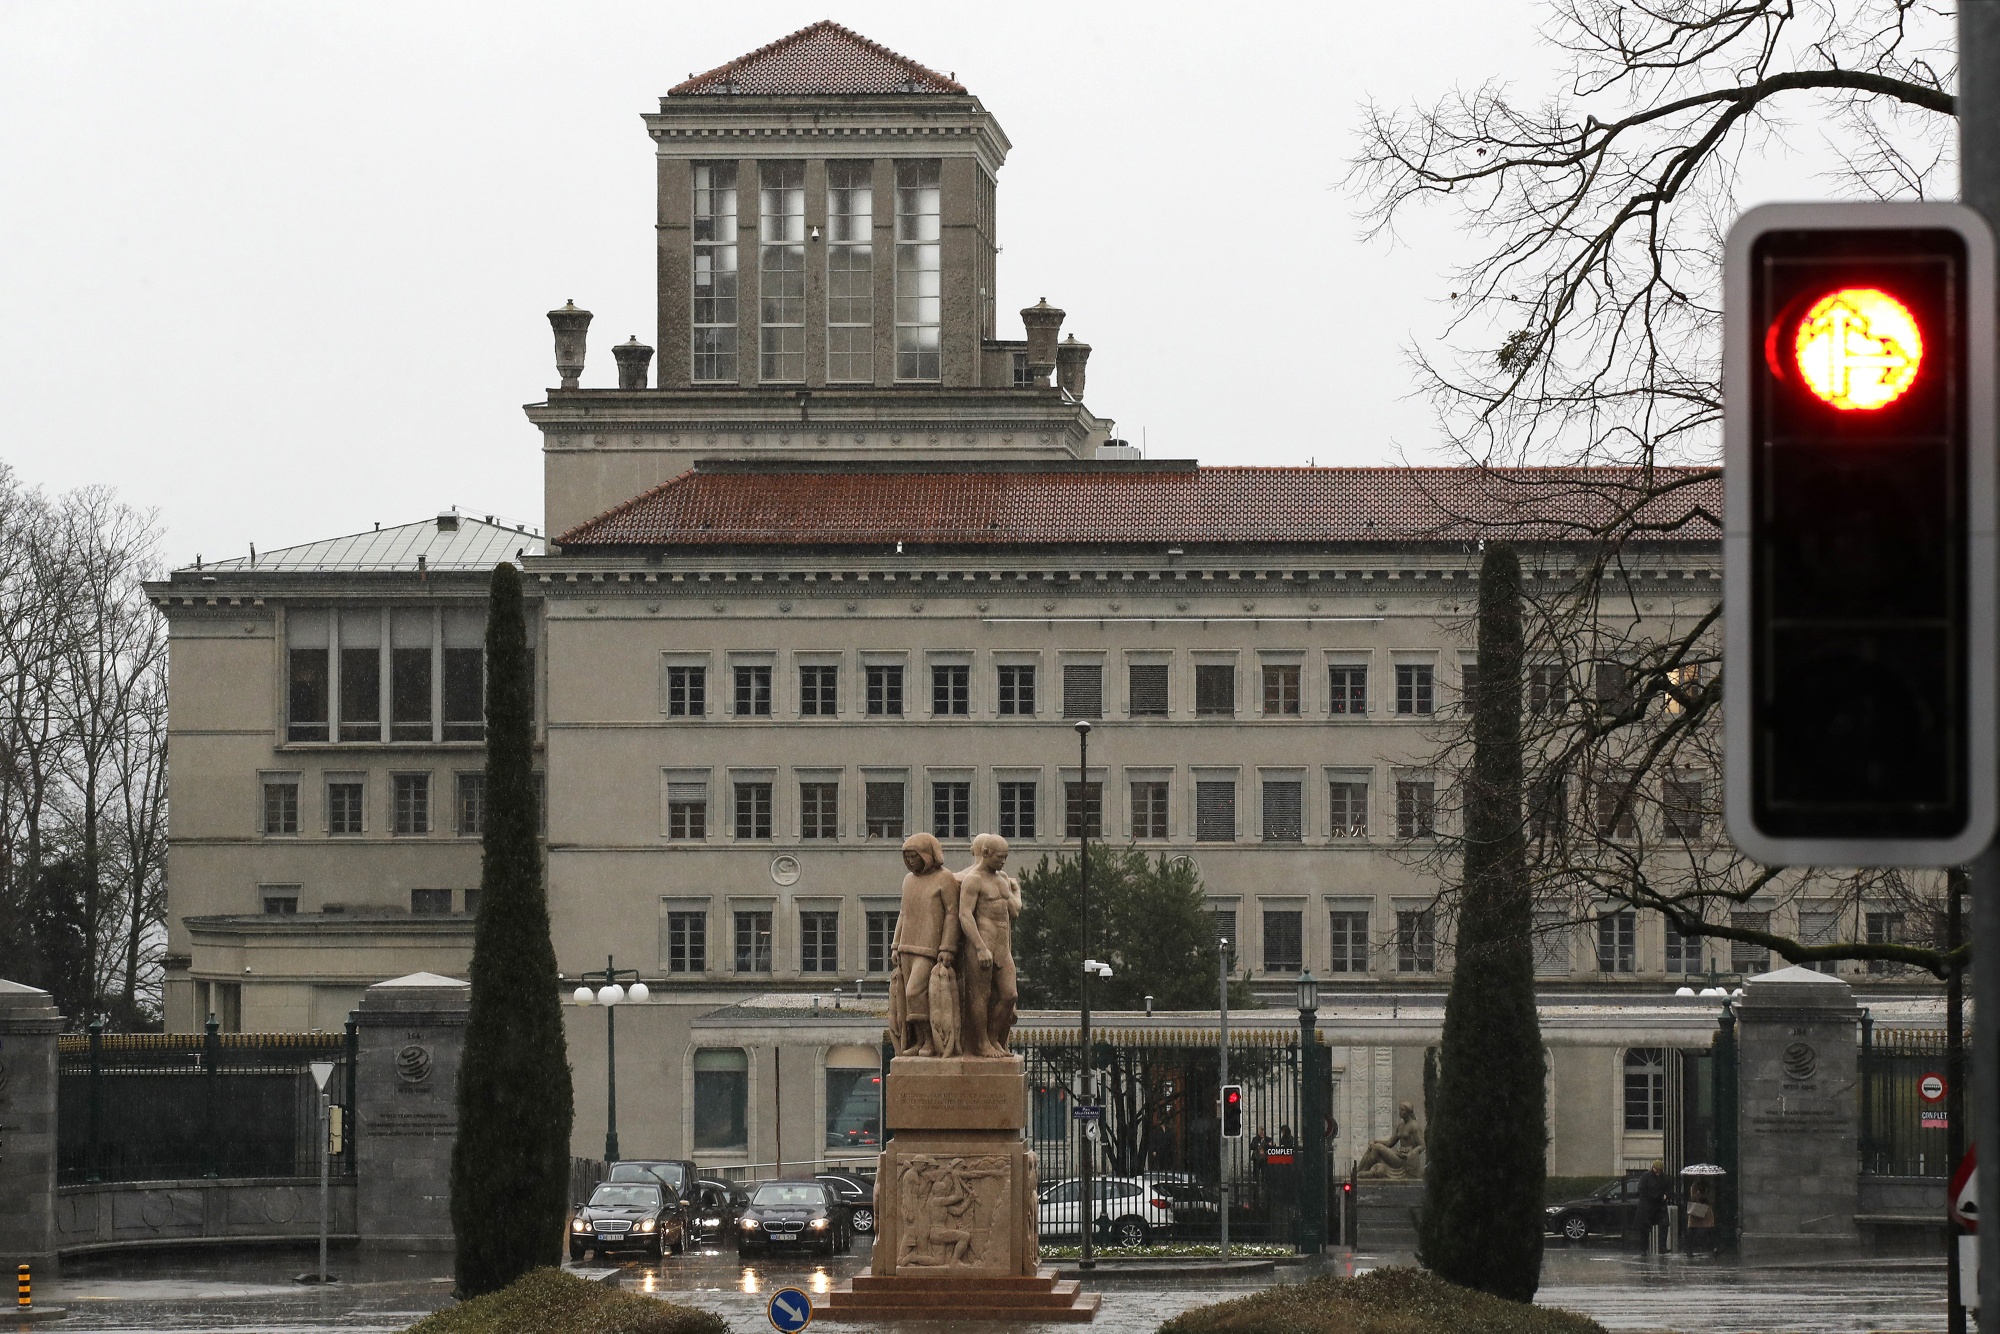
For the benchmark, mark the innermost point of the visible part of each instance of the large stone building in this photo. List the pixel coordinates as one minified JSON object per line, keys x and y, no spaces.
{"x":846,"y":564}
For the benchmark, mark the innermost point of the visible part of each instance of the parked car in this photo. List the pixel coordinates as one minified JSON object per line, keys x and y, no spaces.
{"x":711,"y":1213}
{"x":857,"y":1192}
{"x":623,"y":1216}
{"x":1603,"y":1212}
{"x":793,"y":1215}
{"x":675,"y":1174}
{"x":1131,"y":1207}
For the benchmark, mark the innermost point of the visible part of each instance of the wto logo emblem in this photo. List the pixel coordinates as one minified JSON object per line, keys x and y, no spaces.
{"x":413,"y":1064}
{"x":1800,"y":1062}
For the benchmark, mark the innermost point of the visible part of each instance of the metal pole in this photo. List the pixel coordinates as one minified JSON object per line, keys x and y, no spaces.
{"x":324,"y":1128}
{"x":611,"y":1070}
{"x":1978,"y":109}
{"x":1089,"y":1211}
{"x":1222,"y":1052}
{"x":90,"y":1160}
{"x":1954,"y":1075}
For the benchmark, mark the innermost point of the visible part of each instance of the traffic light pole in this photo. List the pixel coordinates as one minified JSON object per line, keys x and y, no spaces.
{"x":1222,"y":1140}
{"x":1979,"y":189}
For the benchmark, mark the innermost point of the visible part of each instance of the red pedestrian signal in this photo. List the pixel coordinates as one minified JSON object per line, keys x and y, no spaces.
{"x":1858,"y":367}
{"x":1232,"y":1111}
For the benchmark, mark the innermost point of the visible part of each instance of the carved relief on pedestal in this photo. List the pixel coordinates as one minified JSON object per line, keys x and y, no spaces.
{"x":954,"y":1212}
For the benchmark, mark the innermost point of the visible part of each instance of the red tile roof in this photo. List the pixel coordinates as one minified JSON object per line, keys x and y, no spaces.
{"x":831,"y":506}
{"x":823,"y":58}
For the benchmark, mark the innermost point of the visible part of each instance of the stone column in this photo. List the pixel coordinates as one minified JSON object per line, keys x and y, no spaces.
{"x":412,"y":1032}
{"x":1799,"y":1072}
{"x":29,"y":1023}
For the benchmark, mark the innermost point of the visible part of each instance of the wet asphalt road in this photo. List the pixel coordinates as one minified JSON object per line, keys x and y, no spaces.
{"x":252,"y":1293}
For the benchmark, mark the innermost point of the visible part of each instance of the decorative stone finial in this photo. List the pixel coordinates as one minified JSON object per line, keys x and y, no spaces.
{"x":570,"y":325}
{"x":1070,"y":358}
{"x":633,"y":359}
{"x":1044,"y":322}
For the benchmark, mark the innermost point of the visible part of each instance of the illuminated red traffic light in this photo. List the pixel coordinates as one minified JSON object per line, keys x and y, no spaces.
{"x":1857,"y":349}
{"x":1859,"y":540}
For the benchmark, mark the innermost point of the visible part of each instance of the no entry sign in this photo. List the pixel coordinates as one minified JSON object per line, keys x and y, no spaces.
{"x":1931,"y":1088}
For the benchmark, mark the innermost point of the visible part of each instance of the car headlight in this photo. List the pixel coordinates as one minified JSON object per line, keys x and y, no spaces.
{"x":711,"y":1222}
{"x":646,"y":1224}
{"x":818,"y":1224}
{"x":580,"y":1225}
{"x":748,"y":1224}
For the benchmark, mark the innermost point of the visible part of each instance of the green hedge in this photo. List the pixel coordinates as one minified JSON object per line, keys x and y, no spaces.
{"x":1387,"y":1301}
{"x":549,"y":1301}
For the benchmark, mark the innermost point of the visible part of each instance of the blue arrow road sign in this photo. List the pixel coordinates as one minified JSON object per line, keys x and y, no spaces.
{"x":791,"y":1310}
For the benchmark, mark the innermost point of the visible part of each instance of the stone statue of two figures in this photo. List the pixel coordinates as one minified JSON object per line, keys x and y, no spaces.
{"x":953,"y":991}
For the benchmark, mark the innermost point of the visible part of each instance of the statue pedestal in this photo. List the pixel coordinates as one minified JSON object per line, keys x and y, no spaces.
{"x":955,"y":1203}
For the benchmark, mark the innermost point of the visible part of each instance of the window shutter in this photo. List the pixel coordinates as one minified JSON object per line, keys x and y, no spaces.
{"x":1281,"y":813}
{"x":1215,"y":812}
{"x":1083,"y":690}
{"x":687,"y":792}
{"x":1149,"y":690}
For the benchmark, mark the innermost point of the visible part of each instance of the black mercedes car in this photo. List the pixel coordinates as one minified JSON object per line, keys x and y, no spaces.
{"x":1603,"y":1212}
{"x":857,"y":1192}
{"x":712,"y":1210}
{"x":622,"y":1216}
{"x":793,"y":1216}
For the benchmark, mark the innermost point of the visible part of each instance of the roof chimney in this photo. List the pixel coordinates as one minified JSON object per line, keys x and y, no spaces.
{"x":1070,"y":358}
{"x":570,"y":325}
{"x":633,"y":359}
{"x":1044,"y":322}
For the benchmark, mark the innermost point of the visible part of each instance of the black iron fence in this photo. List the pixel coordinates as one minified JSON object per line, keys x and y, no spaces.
{"x":170,"y":1106}
{"x":1903,"y":1131}
{"x":1161,"y":1131}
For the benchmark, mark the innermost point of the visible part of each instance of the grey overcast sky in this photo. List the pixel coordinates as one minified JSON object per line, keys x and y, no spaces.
{"x":280,"y":270}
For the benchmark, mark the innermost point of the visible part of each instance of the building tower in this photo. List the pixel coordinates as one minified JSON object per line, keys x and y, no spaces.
{"x":826,"y":232}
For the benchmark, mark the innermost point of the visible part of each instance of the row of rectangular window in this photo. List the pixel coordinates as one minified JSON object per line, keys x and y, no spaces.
{"x":1615,"y":936}
{"x":951,"y":817}
{"x":283,"y":901}
{"x":411,"y":811}
{"x":850,"y":272}
{"x":883,"y":695}
{"x":684,"y":941}
{"x":385,"y":674}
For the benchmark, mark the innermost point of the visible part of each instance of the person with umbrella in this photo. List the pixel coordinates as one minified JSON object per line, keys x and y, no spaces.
{"x":1702,"y":1179}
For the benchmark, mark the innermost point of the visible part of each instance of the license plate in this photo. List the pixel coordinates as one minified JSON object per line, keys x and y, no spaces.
{"x":611,"y":1236}
{"x":784,"y":1236}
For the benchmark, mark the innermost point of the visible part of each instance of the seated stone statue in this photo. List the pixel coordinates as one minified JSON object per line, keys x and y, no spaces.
{"x":1401,"y":1156}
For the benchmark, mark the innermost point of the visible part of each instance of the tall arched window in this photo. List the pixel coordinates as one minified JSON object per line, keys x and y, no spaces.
{"x":1645,"y":1089}
{"x":721,"y":1098}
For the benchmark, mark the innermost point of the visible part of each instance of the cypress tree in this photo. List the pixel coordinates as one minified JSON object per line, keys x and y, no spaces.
{"x":1482,"y":1224}
{"x":510,"y":1164}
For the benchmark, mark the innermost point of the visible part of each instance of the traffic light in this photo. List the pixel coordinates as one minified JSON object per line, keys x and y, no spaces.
{"x":1858,"y":442}
{"x":1232,"y":1111}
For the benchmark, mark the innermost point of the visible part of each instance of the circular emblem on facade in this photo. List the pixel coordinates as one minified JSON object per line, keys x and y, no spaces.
{"x":1249,"y":606}
{"x":413,"y":1063}
{"x":717,"y":604}
{"x":1048,"y":606}
{"x":1312,"y":606}
{"x":1800,"y":1062}
{"x":784,"y":606}
{"x":984,"y":606}
{"x":916,"y":606}
{"x":1115,"y":606}
{"x":785,"y":870}
{"x":852,"y":605}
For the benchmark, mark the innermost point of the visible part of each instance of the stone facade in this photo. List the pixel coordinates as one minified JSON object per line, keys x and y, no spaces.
{"x":406,"y":1093}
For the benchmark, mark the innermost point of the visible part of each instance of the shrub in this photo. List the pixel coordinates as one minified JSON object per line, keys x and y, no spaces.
{"x":1386,"y":1301}
{"x":548,"y":1301}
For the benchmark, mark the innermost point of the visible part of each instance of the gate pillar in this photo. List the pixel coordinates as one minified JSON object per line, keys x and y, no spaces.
{"x":411,"y":1033}
{"x":1798,"y":1060}
{"x":29,"y":1023}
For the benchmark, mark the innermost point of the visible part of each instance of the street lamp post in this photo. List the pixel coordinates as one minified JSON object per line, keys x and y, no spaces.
{"x":1087,"y":1206}
{"x":1312,"y":1134}
{"x":609,"y":994}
